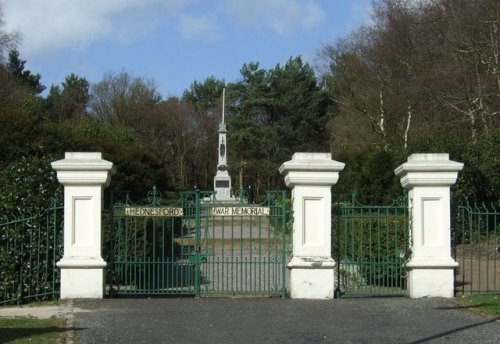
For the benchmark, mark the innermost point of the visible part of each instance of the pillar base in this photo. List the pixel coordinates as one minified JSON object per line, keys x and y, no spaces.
{"x":312,"y":278}
{"x":82,"y":278}
{"x":431,"y":279}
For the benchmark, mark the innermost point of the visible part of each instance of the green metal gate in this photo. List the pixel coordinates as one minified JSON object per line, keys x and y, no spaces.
{"x":30,"y":246}
{"x":476,"y":247}
{"x":371,"y":245}
{"x":199,"y":246}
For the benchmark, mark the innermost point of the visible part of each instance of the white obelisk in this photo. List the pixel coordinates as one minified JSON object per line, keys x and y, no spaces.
{"x":222,"y":180}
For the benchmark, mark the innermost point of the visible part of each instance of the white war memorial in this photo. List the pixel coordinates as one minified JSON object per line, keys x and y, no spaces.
{"x":222,"y":180}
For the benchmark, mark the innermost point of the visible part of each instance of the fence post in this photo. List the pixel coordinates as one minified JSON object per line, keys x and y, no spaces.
{"x":82,"y":267}
{"x":311,"y":176}
{"x":428,"y":178}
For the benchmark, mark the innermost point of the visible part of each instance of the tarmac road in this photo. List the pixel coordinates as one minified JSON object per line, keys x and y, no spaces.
{"x":366,"y":320}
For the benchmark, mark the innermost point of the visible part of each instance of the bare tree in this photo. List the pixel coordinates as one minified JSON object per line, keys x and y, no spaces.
{"x":422,"y":69}
{"x":470,"y":31}
{"x":359,"y":82}
{"x":8,"y":40}
{"x":173,"y":134}
{"x":122,"y":99}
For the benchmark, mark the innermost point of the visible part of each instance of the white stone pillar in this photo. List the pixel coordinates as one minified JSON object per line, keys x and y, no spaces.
{"x":82,"y":267}
{"x":428,"y":178}
{"x":311,"y":176}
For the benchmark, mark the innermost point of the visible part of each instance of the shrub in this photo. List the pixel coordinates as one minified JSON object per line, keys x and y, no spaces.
{"x":27,"y":185}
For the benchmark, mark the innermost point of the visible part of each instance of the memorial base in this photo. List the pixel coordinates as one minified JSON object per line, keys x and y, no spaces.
{"x":312,"y":278}
{"x":431,"y":280}
{"x":222,"y":186}
{"x":82,"y":279}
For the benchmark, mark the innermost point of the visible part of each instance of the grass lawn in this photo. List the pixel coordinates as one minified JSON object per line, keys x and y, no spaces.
{"x":487,"y":304}
{"x":30,"y":330}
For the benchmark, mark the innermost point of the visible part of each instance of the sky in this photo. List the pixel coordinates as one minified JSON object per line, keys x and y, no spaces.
{"x":174,"y":42}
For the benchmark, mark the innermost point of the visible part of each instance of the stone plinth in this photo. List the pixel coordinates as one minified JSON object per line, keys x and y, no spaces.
{"x":82,"y":267}
{"x":311,"y":176}
{"x":428,"y":178}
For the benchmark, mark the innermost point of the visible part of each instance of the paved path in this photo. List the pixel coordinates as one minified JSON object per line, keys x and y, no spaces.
{"x":375,"y":320}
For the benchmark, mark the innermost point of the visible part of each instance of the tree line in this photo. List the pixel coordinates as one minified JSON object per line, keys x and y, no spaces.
{"x":421,"y":77}
{"x":424,"y":76}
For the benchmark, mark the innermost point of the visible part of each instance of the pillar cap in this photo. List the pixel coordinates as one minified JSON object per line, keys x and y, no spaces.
{"x":429,"y":162}
{"x":82,"y":161}
{"x":83,"y":168}
{"x":311,"y":169}
{"x":428,"y":170}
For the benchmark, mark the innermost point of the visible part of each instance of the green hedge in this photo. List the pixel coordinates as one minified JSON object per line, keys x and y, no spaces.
{"x":30,"y":234}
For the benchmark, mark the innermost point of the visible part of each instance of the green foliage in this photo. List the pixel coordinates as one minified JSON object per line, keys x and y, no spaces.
{"x":136,"y":170}
{"x":206,"y":95}
{"x":103,"y":136}
{"x":27,"y":184}
{"x":299,"y":106}
{"x":370,"y":173}
{"x":30,"y":230}
{"x":274,"y":113}
{"x":16,"y":67}
{"x":70,"y":100}
{"x":20,"y":119}
{"x":480,"y":179}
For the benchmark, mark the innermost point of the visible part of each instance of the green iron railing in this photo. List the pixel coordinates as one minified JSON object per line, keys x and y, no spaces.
{"x":200,"y":253}
{"x":371,"y":245}
{"x":30,"y":246}
{"x":476,"y":247}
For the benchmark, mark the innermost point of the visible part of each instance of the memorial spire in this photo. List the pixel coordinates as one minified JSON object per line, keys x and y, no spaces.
{"x":222,"y":180}
{"x":223,"y":103}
